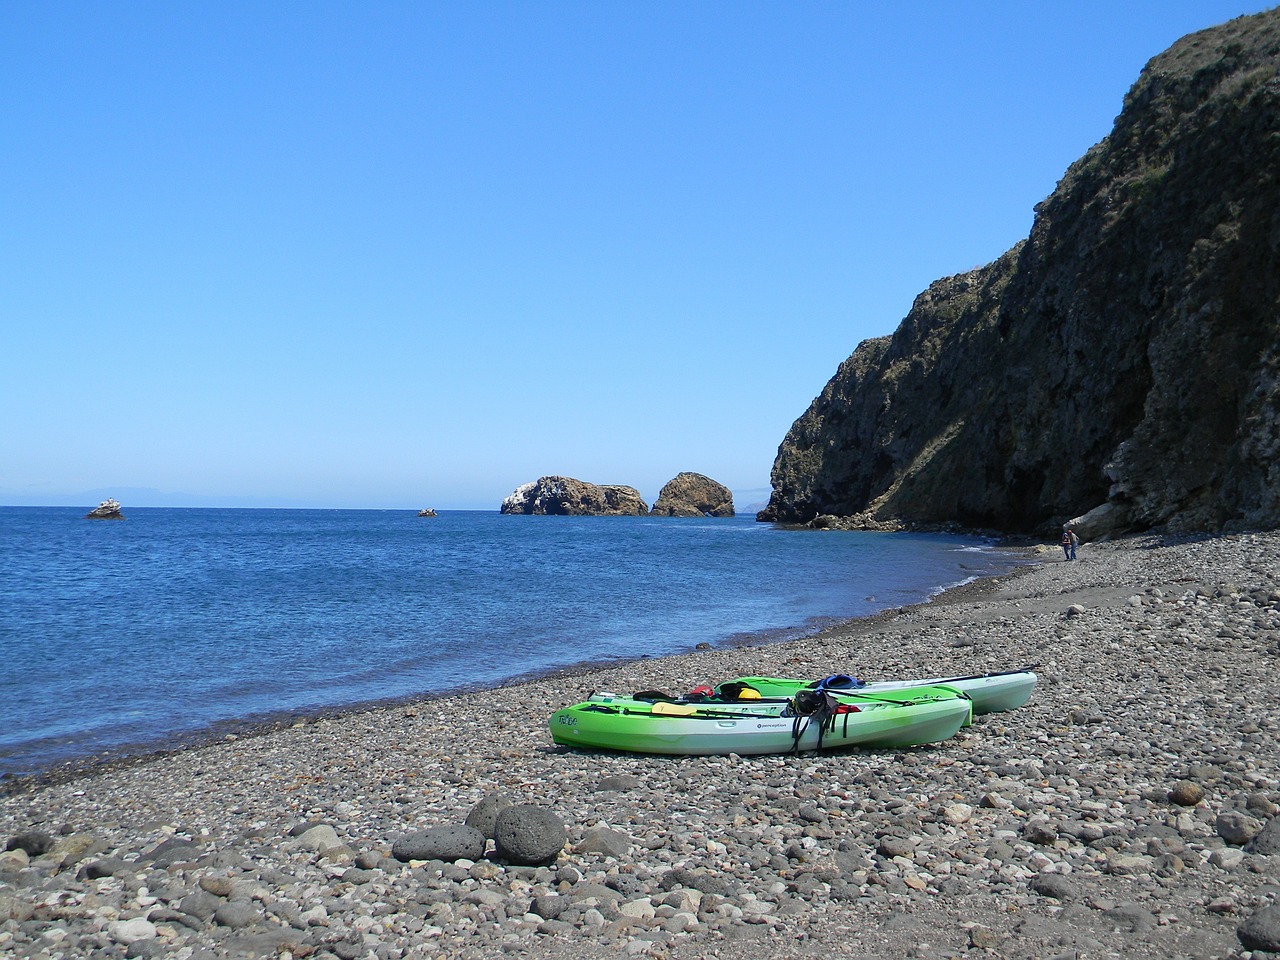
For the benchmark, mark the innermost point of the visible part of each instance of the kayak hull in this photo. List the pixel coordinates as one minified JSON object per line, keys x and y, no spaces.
{"x":759,"y":727}
{"x":990,"y":692}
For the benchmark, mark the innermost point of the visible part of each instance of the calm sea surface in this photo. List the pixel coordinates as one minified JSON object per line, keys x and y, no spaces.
{"x":143,"y":631}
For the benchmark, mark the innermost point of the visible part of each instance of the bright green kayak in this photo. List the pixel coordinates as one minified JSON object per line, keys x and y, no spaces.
{"x":990,"y":692}
{"x":770,"y":725}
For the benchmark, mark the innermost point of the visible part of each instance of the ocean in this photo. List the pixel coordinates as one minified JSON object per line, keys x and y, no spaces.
{"x":142,"y":633}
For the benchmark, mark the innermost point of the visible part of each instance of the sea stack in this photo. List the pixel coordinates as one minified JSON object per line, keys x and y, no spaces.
{"x":565,"y":496}
{"x":108,"y":509}
{"x":693,"y":495}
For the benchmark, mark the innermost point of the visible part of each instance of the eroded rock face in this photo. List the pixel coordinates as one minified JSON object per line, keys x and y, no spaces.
{"x":693,"y":495}
{"x":1126,"y":355}
{"x":565,"y":496}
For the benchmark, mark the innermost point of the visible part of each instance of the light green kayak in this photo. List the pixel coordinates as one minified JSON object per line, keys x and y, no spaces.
{"x":769,"y":725}
{"x":990,"y":692}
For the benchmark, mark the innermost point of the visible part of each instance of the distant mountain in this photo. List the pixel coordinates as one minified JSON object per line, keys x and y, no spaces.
{"x":1123,"y":361}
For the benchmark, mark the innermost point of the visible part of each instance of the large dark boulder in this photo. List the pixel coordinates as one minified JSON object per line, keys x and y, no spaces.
{"x":527,"y":835}
{"x":485,"y":813}
{"x":1267,"y":840}
{"x":448,"y":843}
{"x":1261,"y":931}
{"x":693,"y":495}
{"x":1122,"y":363}
{"x":565,"y":496}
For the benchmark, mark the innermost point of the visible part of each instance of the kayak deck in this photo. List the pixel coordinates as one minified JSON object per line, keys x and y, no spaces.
{"x":990,"y":692}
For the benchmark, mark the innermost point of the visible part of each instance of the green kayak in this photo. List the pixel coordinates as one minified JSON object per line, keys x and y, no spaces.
{"x":818,"y":721}
{"x":990,"y":692}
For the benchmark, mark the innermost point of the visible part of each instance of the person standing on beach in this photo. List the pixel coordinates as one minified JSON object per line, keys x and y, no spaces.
{"x":1066,"y":543}
{"x":1075,"y":542}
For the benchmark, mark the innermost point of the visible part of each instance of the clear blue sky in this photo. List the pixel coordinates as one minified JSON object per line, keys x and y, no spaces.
{"x":415,"y":254}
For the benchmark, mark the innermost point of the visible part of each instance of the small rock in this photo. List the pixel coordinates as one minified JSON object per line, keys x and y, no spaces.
{"x":957,"y":813}
{"x":1237,"y":828}
{"x":620,"y":782}
{"x":602,"y":840}
{"x":1186,"y":793}
{"x":892,"y":846}
{"x":550,"y":907}
{"x":218,"y":886}
{"x":1039,"y":832}
{"x":130,"y":931}
{"x":1228,"y":858}
{"x":983,"y":938}
{"x":236,"y":914}
{"x":1131,"y":917}
{"x":319,"y":838}
{"x":1054,"y":885}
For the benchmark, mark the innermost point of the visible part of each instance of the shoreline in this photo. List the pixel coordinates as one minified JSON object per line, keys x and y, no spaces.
{"x":1125,"y":810}
{"x":126,"y":755}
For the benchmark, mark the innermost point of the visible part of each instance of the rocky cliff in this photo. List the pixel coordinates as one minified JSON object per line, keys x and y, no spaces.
{"x":1122,"y":362}
{"x":565,"y":496}
{"x":693,"y":495}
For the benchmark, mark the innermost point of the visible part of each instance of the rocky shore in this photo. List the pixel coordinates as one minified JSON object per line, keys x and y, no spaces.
{"x":1128,"y":810}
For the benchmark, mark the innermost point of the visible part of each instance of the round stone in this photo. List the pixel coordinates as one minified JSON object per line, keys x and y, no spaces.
{"x":528,"y":835}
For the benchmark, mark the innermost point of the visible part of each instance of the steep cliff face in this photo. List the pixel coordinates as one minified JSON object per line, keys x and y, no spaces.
{"x":1125,"y":356}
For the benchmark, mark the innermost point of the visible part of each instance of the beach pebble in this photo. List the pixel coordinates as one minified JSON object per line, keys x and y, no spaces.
{"x":1236,"y":827}
{"x":130,"y":931}
{"x":1186,"y":793}
{"x":601,"y":840}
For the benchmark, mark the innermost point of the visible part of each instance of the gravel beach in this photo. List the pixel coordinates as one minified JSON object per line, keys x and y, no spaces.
{"x":1128,"y":810}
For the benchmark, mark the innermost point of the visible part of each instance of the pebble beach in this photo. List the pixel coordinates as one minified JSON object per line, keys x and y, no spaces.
{"x":1128,"y":810}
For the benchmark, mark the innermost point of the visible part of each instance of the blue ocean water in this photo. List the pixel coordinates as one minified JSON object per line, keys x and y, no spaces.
{"x":139,"y":632}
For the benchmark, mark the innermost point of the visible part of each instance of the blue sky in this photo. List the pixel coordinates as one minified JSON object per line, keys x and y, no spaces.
{"x":415,"y":254}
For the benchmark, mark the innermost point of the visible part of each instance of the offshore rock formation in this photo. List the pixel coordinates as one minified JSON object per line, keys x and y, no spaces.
{"x":1120,"y":366}
{"x":693,"y":495}
{"x":106,"y":510}
{"x":565,"y":496}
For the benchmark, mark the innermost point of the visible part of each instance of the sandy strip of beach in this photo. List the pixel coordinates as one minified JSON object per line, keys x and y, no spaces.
{"x":1129,"y":809}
